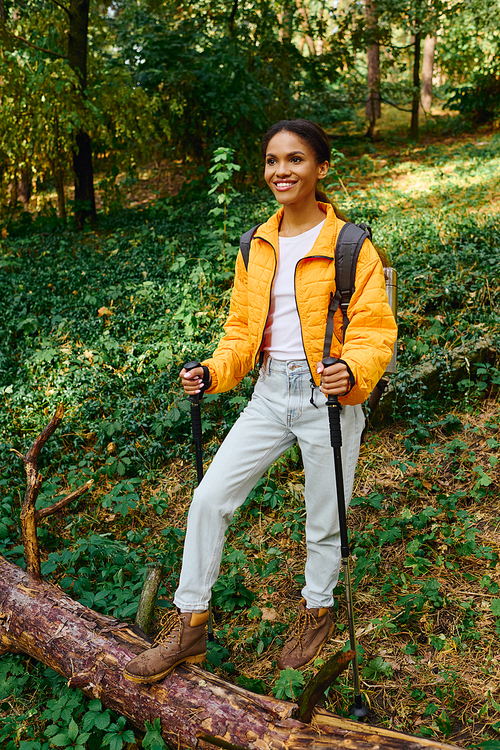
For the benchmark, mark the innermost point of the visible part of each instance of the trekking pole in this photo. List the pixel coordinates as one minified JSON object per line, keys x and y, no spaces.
{"x":197,"y":435}
{"x":334,"y":409}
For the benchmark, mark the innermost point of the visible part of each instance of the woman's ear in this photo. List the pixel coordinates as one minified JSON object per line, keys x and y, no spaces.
{"x":323,"y":169}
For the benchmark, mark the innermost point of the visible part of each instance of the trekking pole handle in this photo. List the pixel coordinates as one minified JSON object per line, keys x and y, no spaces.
{"x":196,"y":397}
{"x":334,"y":409}
{"x":195,"y":411}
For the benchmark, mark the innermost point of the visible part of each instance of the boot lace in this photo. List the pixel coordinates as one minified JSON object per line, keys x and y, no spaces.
{"x":306,"y":621}
{"x":170,"y":625}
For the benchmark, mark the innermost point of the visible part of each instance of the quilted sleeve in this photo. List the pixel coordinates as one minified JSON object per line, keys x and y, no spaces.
{"x":372,"y":330}
{"x":234,"y":356}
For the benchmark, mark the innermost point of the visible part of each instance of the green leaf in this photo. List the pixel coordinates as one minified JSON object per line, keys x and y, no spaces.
{"x":61,"y":740}
{"x":153,"y":740}
{"x":431,"y":709}
{"x":495,"y":606}
{"x":73,"y":730}
{"x":103,"y":720}
{"x":289,"y":684}
{"x":115,"y":742}
{"x":164,"y":357}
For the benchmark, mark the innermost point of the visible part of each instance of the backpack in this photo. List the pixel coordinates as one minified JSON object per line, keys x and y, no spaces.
{"x":349,"y":242}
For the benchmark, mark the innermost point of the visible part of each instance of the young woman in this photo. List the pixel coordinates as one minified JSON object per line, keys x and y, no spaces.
{"x":278,"y":315}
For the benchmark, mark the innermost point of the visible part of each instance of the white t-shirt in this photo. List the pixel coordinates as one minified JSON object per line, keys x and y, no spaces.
{"x":282,"y":335}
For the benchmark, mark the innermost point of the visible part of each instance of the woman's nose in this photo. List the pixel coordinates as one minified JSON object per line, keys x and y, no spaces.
{"x":283,"y":169}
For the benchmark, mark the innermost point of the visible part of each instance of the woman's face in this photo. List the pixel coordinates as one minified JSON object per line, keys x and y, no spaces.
{"x":291,"y":169}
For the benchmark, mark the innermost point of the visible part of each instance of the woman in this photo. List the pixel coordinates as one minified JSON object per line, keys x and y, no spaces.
{"x":278,"y":315}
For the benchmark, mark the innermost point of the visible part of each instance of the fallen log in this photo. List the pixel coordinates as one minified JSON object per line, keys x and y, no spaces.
{"x":195,"y":708}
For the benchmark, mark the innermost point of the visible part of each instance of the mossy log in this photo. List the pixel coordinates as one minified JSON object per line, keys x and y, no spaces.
{"x":429,"y":377}
{"x":195,"y":708}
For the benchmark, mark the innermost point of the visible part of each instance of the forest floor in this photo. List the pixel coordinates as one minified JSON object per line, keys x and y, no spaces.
{"x":103,"y":320}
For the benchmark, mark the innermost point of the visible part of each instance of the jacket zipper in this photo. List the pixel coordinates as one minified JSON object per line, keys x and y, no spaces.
{"x":309,"y":257}
{"x":270,"y":291}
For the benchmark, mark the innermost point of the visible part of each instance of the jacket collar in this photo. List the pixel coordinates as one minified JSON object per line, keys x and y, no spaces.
{"x":327,"y":238}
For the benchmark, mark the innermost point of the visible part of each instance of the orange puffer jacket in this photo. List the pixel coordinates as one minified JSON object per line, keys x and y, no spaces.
{"x":370,"y":335}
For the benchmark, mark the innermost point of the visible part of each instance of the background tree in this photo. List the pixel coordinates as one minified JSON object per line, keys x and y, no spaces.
{"x":78,"y":13}
{"x":427,"y":72}
{"x":373,"y":59}
{"x":110,"y":85}
{"x":61,"y":100}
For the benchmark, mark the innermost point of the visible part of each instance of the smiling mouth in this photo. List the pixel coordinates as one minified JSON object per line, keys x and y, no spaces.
{"x":283,"y":185}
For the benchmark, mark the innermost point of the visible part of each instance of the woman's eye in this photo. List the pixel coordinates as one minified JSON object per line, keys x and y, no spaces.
{"x":296,"y":159}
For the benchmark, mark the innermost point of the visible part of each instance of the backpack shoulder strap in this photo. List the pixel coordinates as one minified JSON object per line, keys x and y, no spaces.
{"x":349,"y":243}
{"x":245,"y":241}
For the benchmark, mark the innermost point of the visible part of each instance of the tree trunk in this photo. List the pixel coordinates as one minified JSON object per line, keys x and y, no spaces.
{"x":232,"y":17}
{"x":416,"y":88}
{"x":373,"y":56}
{"x":307,"y":38}
{"x":82,"y":151}
{"x":58,"y":176}
{"x":285,"y":19}
{"x":84,"y":179}
{"x":195,"y":708}
{"x":13,"y":191}
{"x":25,"y":186}
{"x":427,"y":72}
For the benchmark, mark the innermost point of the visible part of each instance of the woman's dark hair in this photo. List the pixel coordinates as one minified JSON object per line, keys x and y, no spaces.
{"x":316,"y":139}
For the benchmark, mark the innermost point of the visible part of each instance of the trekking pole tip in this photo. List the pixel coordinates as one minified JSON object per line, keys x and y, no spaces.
{"x":358,"y":709}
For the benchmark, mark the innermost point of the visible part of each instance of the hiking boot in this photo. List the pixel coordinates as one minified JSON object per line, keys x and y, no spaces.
{"x":309,"y":635}
{"x":181,"y":639}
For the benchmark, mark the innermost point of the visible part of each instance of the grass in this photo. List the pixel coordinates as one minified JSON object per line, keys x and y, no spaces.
{"x":103,"y":320}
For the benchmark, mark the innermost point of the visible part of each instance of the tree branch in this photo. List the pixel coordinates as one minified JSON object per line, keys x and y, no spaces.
{"x":29,"y":514}
{"x":233,"y":16}
{"x":396,"y":106}
{"x":63,"y":7}
{"x":43,"y":512}
{"x":35,"y":46}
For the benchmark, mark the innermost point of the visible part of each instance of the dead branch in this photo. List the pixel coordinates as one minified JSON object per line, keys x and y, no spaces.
{"x":29,"y":514}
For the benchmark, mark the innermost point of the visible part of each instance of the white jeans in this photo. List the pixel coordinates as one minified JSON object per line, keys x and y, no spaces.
{"x":278,"y":415}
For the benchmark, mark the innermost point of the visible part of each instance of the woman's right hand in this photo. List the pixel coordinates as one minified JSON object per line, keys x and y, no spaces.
{"x":192,"y":380}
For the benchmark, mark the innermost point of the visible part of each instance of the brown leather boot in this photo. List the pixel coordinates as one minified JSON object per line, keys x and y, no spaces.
{"x":181,"y":639}
{"x":310,"y":633}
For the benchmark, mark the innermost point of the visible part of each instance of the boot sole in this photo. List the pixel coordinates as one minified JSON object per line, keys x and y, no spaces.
{"x":196,"y":659}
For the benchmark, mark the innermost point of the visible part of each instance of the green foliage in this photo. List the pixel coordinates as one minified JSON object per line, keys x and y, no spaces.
{"x":479,"y":98}
{"x":153,"y":740}
{"x":376,"y":668}
{"x":289,"y":684}
{"x":68,"y":720}
{"x":181,"y":64}
{"x":41,"y":93}
{"x":227,"y":227}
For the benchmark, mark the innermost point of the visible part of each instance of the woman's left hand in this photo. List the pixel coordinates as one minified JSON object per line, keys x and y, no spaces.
{"x":334,"y":379}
